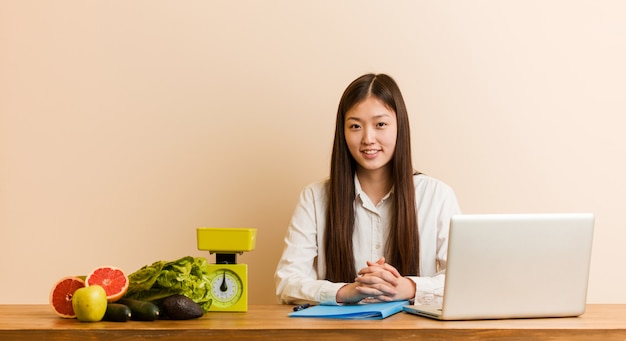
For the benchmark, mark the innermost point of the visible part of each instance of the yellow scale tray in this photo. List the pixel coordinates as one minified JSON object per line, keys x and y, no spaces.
{"x":226,"y":240}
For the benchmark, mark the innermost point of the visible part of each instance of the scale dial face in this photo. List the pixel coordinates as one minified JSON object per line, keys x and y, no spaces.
{"x":226,"y":287}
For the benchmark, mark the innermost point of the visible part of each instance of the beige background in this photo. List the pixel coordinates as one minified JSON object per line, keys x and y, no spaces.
{"x":124,"y":125}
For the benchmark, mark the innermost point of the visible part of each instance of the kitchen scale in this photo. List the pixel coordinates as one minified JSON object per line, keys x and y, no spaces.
{"x":228,"y":280}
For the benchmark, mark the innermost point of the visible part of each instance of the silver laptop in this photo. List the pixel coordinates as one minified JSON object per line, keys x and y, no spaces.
{"x":515,"y":266}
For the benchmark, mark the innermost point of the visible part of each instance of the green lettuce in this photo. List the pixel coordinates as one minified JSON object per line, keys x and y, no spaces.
{"x":187,"y":276}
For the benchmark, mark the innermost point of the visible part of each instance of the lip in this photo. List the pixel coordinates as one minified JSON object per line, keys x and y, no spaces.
{"x":372,"y":153}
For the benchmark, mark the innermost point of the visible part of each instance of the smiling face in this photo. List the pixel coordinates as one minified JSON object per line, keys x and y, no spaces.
{"x":371,"y":131}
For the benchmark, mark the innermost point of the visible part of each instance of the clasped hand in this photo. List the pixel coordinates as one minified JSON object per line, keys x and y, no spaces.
{"x":377,"y":282}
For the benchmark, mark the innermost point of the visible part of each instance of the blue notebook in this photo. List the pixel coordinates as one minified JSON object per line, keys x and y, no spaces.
{"x":373,"y":311}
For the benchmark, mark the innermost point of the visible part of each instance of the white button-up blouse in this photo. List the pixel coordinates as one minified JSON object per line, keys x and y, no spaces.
{"x":300,"y":272}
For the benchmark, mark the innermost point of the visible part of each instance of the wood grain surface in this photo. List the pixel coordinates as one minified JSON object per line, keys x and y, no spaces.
{"x":38,"y":322}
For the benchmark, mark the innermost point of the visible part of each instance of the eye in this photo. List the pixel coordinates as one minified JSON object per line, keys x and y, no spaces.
{"x":354,"y":126}
{"x":381,"y":124}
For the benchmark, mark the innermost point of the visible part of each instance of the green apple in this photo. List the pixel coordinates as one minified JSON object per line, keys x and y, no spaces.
{"x":90,"y":303}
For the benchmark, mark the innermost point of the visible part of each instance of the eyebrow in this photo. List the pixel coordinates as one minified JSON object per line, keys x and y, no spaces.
{"x":376,"y":116}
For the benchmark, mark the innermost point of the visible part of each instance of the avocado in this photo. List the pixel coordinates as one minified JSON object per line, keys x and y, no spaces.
{"x":180,"y":307}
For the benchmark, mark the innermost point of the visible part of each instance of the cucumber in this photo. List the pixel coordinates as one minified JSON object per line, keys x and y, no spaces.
{"x":141,"y":310}
{"x":117,"y":312}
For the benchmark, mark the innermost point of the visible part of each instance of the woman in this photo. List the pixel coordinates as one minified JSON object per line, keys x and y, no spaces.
{"x":374,"y":213}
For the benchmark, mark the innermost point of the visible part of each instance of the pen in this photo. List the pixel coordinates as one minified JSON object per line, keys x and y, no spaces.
{"x":301,"y":307}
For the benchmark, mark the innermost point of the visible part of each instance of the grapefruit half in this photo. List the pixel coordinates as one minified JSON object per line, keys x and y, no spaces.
{"x":62,"y":293}
{"x":112,"y":279}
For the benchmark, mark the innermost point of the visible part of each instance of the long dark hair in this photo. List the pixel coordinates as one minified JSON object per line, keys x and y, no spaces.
{"x":402,"y":249}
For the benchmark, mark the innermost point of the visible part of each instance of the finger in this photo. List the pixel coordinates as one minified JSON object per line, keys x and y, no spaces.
{"x":392,"y":269}
{"x":389,"y":268}
{"x":380,"y":261}
{"x":381,"y":298}
{"x":378,"y":291}
{"x":368,"y":292}
{"x":375,"y":283}
{"x":374,"y":268}
{"x":378,"y":277}
{"x":371,"y":266}
{"x":370,"y":300}
{"x":377,"y":299}
{"x":387,"y":272}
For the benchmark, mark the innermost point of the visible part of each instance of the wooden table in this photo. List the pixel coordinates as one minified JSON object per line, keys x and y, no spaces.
{"x":38,"y":322}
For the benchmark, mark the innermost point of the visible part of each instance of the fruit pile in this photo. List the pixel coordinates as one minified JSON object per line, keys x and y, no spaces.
{"x":100,"y":296}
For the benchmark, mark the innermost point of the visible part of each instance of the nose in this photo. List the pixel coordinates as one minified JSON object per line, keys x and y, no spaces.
{"x":369,"y":136}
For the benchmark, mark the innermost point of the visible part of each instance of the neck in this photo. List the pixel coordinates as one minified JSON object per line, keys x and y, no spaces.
{"x":376,"y":184}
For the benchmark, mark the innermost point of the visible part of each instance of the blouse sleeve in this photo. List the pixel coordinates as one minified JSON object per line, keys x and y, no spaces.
{"x":429,"y":289}
{"x":296,"y":277}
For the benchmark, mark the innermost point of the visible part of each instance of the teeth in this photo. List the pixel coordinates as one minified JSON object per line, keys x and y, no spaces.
{"x":370,"y":151}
